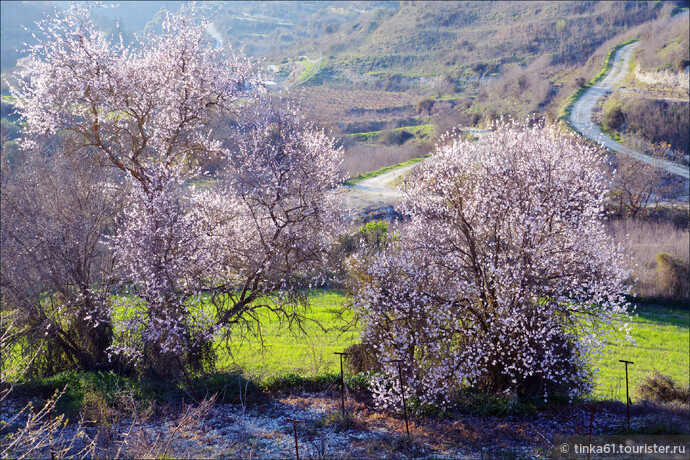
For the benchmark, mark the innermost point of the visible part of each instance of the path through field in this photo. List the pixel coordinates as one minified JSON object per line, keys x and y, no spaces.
{"x":581,"y":117}
{"x":378,"y":191}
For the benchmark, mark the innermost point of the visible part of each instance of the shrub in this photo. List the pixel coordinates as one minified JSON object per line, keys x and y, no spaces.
{"x":672,"y":276}
{"x":424,"y":106}
{"x":662,"y":388}
{"x":658,"y":121}
{"x":613,"y":118}
{"x":396,"y":137}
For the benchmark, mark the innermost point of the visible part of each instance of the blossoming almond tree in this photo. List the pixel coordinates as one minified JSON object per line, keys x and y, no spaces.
{"x":240,"y":247}
{"x":195,"y":262}
{"x":504,"y":279}
{"x":147,"y":108}
{"x":55,"y":270}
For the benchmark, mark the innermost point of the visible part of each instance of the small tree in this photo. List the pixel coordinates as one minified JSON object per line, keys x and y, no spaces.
{"x":504,"y":278}
{"x":194,"y":261}
{"x":638,"y":188}
{"x":56,"y":269}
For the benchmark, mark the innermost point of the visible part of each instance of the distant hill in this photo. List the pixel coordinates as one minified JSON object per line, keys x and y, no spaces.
{"x":373,"y":69}
{"x":457,"y":38}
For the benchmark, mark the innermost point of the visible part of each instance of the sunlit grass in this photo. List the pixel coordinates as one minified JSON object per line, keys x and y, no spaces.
{"x":661,"y":335}
{"x":662,"y":343}
{"x":306,"y":353}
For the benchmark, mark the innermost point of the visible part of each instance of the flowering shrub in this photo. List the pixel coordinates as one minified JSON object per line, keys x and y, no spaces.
{"x":504,"y":279}
{"x":192,"y":262}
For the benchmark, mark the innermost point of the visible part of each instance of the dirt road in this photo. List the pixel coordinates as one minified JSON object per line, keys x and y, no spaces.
{"x":376,"y":192}
{"x":380,"y":191}
{"x":581,"y":116}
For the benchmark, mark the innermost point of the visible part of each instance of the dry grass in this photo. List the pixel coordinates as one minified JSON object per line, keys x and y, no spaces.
{"x":334,"y":105}
{"x":360,"y":159}
{"x":644,"y":240}
{"x":665,"y":47}
{"x":124,"y":434}
{"x":662,"y":388}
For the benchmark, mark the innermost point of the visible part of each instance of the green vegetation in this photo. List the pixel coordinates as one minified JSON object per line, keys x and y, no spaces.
{"x":306,"y":352}
{"x":661,"y":344}
{"x":305,"y":360}
{"x":418,"y":132}
{"x":310,"y":70}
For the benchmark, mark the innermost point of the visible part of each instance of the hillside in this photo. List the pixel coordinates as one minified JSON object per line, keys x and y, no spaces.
{"x":370,"y":69}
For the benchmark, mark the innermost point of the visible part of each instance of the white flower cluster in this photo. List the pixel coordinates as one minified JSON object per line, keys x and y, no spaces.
{"x":193,"y":261}
{"x":504,"y":279}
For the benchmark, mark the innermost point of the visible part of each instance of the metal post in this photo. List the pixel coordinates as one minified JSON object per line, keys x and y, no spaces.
{"x":294,"y":427}
{"x":592,"y":408}
{"x":402,"y":393}
{"x":342,"y":381}
{"x":627,"y":391}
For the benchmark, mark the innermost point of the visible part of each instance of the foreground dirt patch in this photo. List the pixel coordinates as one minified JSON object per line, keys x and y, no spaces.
{"x":263,"y":431}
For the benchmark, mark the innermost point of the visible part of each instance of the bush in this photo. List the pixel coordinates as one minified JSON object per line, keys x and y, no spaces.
{"x":658,"y":121}
{"x":396,"y":137}
{"x":662,"y":388}
{"x":672,"y":276}
{"x":424,"y":106}
{"x":613,"y":118}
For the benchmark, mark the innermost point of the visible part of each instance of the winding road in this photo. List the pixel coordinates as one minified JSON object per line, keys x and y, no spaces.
{"x":581,"y":115}
{"x":380,"y":191}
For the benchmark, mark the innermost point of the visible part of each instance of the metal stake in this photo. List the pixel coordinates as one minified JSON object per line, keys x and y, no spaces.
{"x":592,"y":408}
{"x":294,"y":427}
{"x":402,"y":393}
{"x":627,"y":391}
{"x":342,"y":381}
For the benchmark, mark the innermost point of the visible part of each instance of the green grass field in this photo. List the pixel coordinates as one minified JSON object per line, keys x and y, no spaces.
{"x":662,"y":342}
{"x":286,"y":351}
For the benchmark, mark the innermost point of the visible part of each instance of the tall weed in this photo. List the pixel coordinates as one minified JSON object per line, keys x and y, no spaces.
{"x":656,"y":278}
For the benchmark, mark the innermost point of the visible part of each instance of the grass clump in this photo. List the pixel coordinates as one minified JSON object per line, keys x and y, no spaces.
{"x":90,"y":394}
{"x":672,"y":276}
{"x":337,"y":421}
{"x":664,"y":389}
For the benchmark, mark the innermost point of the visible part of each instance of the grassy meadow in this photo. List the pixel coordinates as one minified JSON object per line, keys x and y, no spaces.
{"x":305,"y":353}
{"x":662,"y":342}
